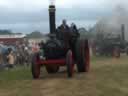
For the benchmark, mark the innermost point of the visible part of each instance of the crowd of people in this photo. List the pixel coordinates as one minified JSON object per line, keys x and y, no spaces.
{"x":13,"y":56}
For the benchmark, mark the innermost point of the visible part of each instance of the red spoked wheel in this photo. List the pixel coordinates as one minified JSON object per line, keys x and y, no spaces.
{"x":83,"y":55}
{"x":35,"y":68}
{"x":70,"y":64}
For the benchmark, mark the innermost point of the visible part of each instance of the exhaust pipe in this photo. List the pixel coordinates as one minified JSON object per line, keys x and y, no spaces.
{"x":52,"y":19}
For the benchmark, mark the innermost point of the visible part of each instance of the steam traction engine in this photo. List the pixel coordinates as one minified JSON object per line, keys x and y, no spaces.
{"x":62,"y":49}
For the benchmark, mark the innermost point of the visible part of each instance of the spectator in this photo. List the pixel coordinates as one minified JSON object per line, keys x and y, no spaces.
{"x":1,"y":58}
{"x":10,"y":58}
{"x":35,"y":47}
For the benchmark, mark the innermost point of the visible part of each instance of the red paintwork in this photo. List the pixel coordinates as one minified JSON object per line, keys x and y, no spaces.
{"x":60,"y":62}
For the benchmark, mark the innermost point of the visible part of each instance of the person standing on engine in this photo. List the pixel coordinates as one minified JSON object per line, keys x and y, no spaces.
{"x":64,"y":26}
{"x":74,"y":36}
{"x":74,"y":30}
{"x":63,"y":33}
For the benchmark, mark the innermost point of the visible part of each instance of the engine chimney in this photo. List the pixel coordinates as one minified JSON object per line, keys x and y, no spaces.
{"x":123,"y":32}
{"x":52,"y":24}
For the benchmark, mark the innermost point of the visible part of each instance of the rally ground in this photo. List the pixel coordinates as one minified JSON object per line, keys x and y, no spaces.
{"x":107,"y":77}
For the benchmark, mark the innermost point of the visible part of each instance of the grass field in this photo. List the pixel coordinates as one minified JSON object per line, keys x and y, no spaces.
{"x":107,"y":77}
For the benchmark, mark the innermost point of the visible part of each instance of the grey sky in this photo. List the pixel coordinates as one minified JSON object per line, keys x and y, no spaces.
{"x":29,"y":15}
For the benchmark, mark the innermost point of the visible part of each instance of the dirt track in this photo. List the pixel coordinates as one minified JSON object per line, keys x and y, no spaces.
{"x":81,"y":84}
{"x":59,"y":85}
{"x":107,"y":77}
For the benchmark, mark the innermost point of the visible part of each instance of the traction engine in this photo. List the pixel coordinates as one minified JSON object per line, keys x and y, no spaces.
{"x":62,"y":49}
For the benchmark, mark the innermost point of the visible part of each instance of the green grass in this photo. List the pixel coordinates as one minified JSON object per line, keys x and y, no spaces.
{"x":108,"y":77}
{"x":19,"y":73}
{"x":111,"y":77}
{"x":16,"y":82}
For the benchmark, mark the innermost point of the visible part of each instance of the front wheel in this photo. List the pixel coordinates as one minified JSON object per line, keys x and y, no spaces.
{"x":35,"y":68}
{"x":70,"y":64}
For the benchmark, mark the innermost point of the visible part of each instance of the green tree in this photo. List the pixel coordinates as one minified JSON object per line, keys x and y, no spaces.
{"x":5,"y":32}
{"x":35,"y":34}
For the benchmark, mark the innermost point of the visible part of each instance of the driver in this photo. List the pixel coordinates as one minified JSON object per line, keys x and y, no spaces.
{"x":64,"y":27}
{"x":63,"y":33}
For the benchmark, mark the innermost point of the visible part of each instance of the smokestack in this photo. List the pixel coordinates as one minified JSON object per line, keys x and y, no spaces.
{"x":123,"y":32}
{"x":52,"y":24}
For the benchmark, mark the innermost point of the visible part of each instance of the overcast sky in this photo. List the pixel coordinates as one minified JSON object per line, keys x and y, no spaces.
{"x":29,"y":15}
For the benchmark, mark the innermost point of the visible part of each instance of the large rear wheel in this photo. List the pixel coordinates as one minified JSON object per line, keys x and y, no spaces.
{"x":82,"y":55}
